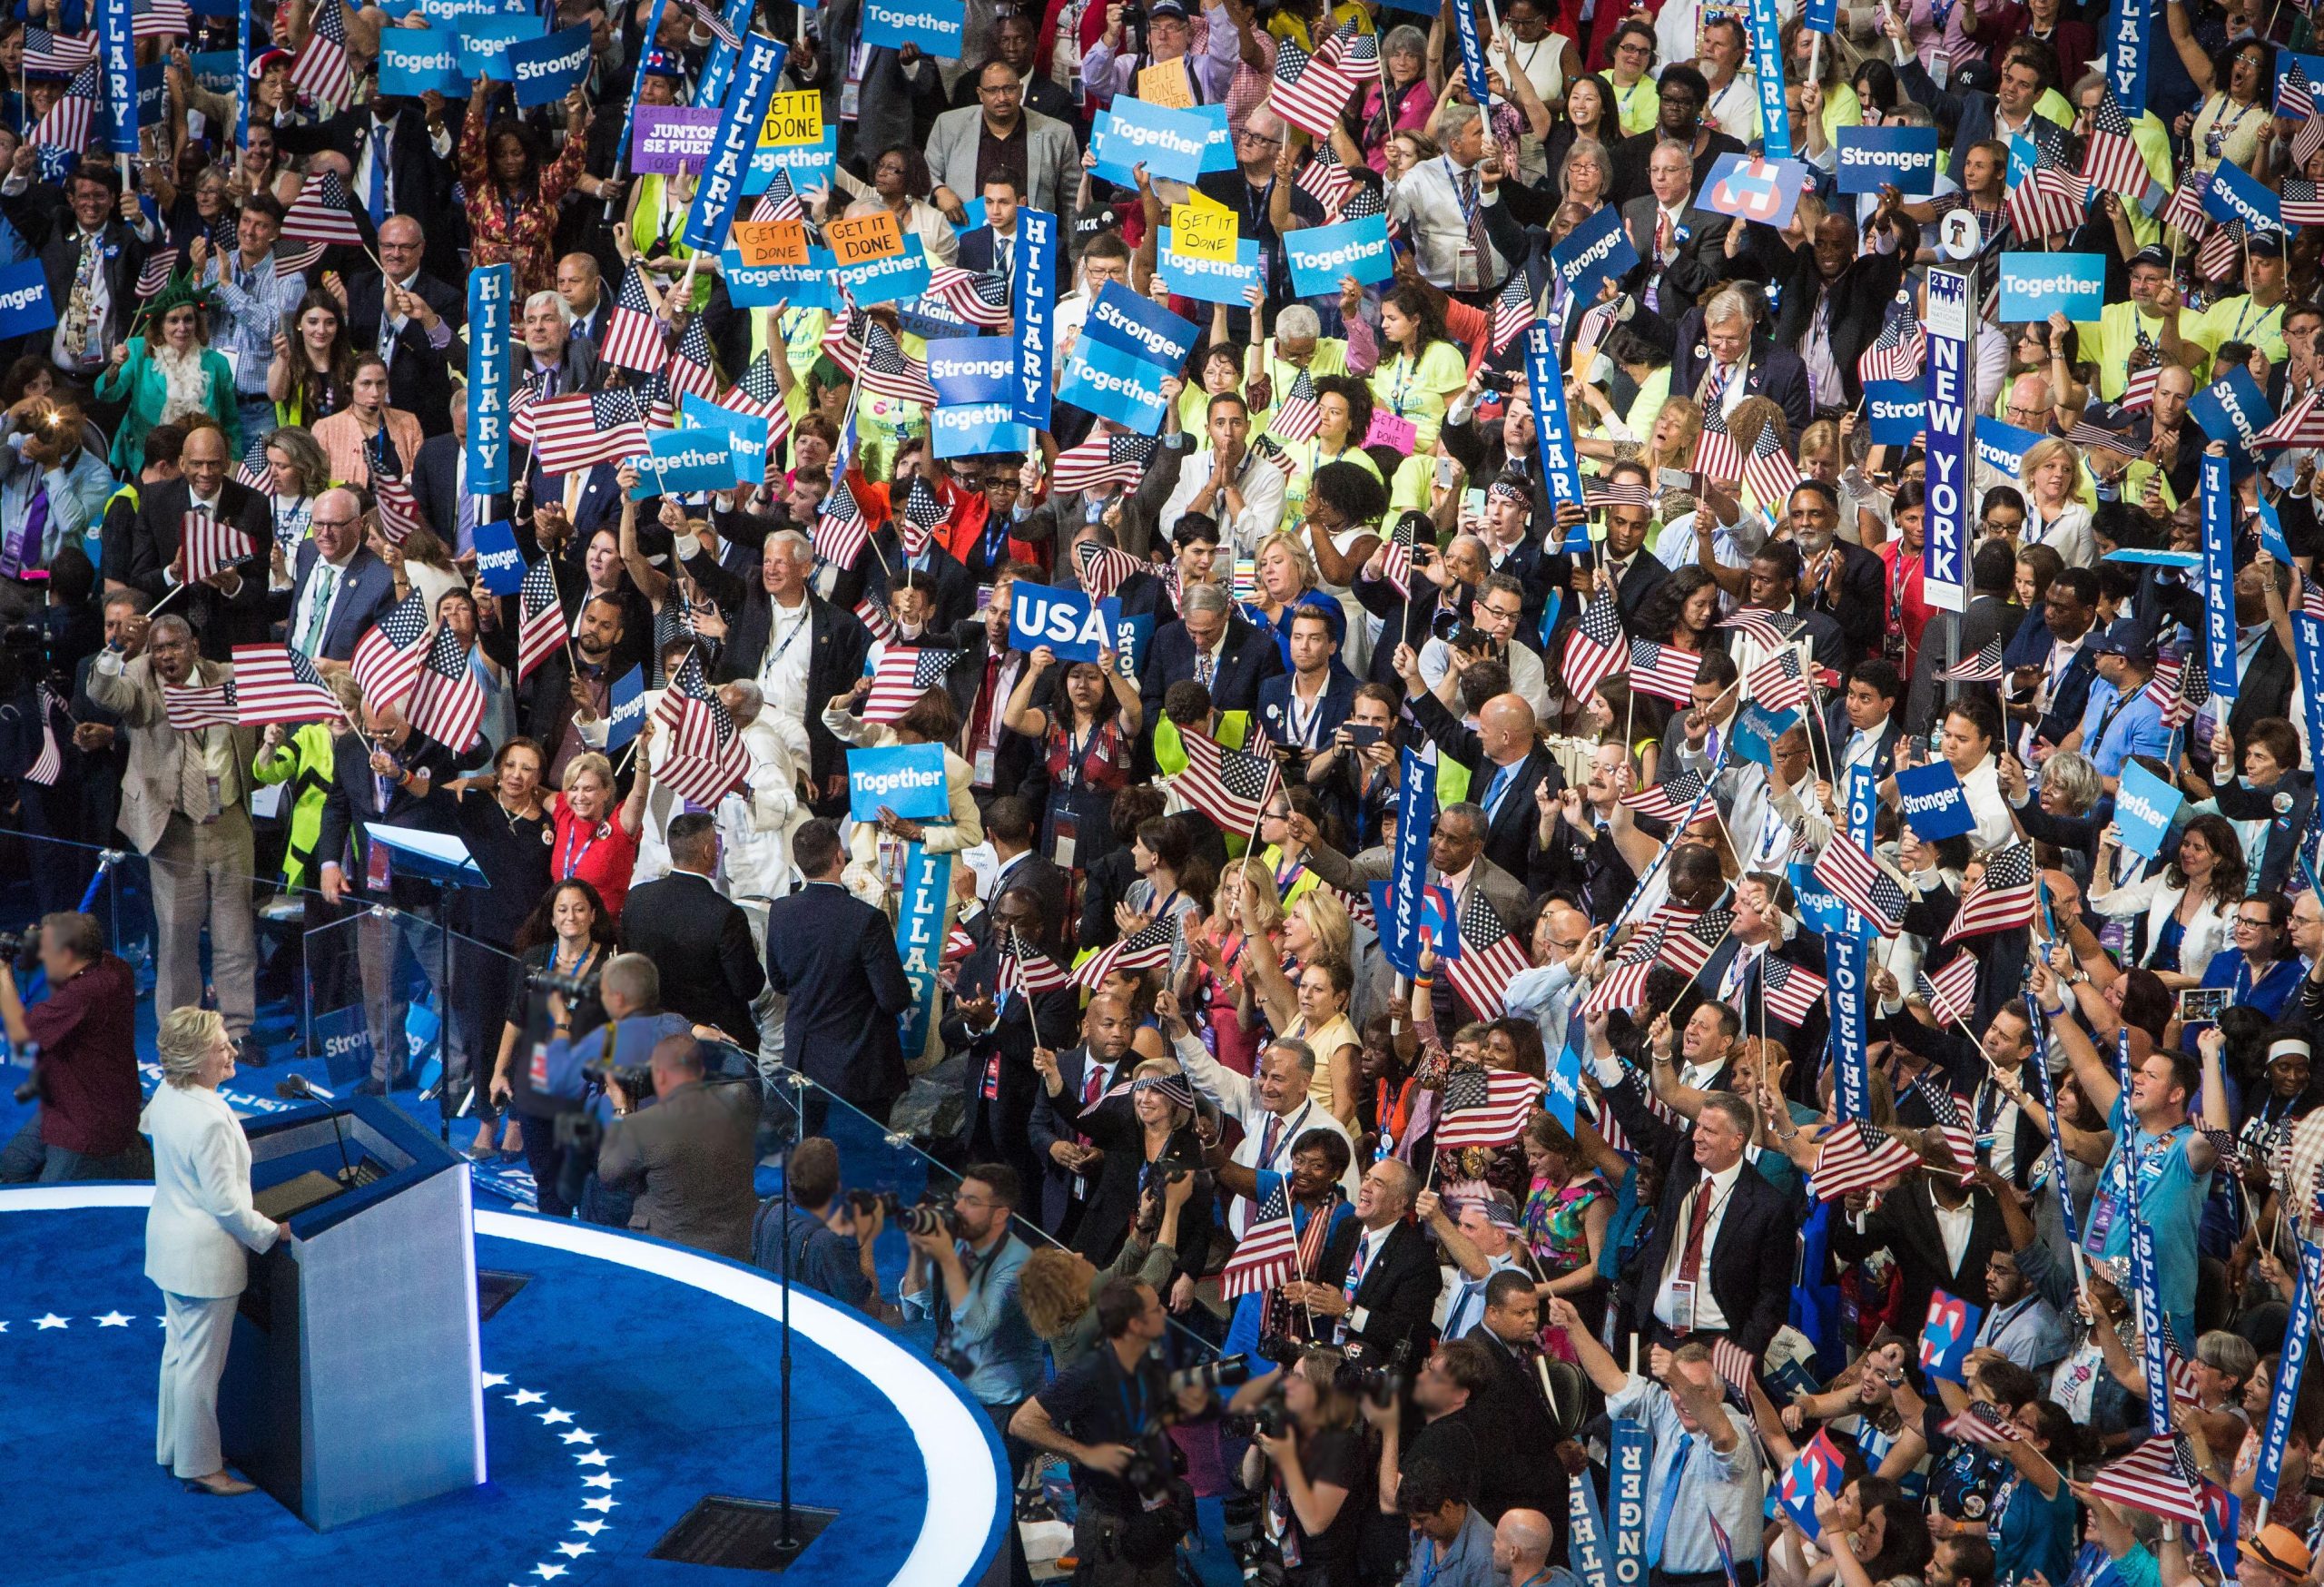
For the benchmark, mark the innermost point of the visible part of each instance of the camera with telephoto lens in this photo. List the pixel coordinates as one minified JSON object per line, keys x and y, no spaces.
{"x":1280,"y":1349}
{"x":1225,"y":1372}
{"x":928,"y":1216}
{"x":20,"y":950}
{"x":862,"y":1202}
{"x":1457,"y":632}
{"x":570,"y":985}
{"x":1382,"y":1382}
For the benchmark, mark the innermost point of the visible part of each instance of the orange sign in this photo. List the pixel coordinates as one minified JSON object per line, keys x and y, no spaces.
{"x":770,"y":241}
{"x":1166,"y":84}
{"x":866,"y":238}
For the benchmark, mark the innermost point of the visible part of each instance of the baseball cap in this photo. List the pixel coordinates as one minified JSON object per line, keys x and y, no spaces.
{"x":2266,"y":243}
{"x":1161,"y":8}
{"x":2126,"y":636}
{"x":2150,"y":255}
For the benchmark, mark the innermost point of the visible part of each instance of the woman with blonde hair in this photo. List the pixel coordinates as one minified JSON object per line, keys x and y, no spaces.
{"x":1058,"y":1288}
{"x":588,"y":838}
{"x":296,"y":473}
{"x":2050,"y":475}
{"x":200,"y":1223}
{"x":1287,"y":583}
{"x":1248,"y":908}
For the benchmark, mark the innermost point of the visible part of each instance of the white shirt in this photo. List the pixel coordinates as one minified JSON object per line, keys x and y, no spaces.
{"x":1953,"y":1225}
{"x":790,"y":646}
{"x":1239,"y":1099}
{"x":306,"y":619}
{"x":1709,"y":1201}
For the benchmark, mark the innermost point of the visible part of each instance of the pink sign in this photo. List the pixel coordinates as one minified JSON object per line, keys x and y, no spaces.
{"x":1388,"y":430}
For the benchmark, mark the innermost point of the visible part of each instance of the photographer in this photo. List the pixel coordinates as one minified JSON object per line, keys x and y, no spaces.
{"x":1308,"y":1455}
{"x":1454,"y":1434}
{"x":963,"y":1273}
{"x":831,"y":1238}
{"x":87,"y":1073}
{"x":689,"y":1150}
{"x":573,"y":1071}
{"x":1058,"y":1288}
{"x":1101,"y":1414}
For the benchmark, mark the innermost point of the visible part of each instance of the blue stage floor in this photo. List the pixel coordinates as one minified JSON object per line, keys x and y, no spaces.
{"x":626,"y":1380}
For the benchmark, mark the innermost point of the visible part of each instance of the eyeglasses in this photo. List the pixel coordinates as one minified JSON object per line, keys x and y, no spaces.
{"x":331,"y":523}
{"x":1248,"y":136}
{"x":2262,"y":923}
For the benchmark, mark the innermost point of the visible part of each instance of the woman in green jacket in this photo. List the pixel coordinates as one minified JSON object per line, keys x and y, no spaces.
{"x":169,"y":372}
{"x":301,"y":757}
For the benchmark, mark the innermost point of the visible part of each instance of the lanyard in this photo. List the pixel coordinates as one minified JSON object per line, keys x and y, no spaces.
{"x":807,"y":621}
{"x":1078,"y":759}
{"x":1305,"y":731}
{"x":2265,"y":309}
{"x":568,"y":860}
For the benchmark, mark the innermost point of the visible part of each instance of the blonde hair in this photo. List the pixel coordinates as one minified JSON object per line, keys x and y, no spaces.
{"x":1297,"y":550}
{"x":184,"y":1041}
{"x":1327,"y":919}
{"x":1682,"y":445}
{"x":582,"y":765}
{"x":1162,"y":1069}
{"x":2038,"y":455}
{"x":1053,"y":1289}
{"x":1263,"y":904}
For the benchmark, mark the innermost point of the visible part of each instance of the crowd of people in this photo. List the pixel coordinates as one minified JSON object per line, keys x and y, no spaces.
{"x":1543,"y":987}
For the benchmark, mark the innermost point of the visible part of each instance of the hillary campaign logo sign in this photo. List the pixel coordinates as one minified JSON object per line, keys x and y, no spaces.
{"x":1752,"y":188}
{"x":1948,"y":1333}
{"x":1816,"y":1475}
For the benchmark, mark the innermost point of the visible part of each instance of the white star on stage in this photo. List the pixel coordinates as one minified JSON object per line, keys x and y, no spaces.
{"x":591,"y":1527}
{"x":52,"y":1321}
{"x":160,"y":1322}
{"x":552,"y":1416}
{"x":549,"y":1573}
{"x":526,"y":1397}
{"x":579,"y":1436}
{"x":573,"y":1550}
{"x":595,"y":1457}
{"x":3,"y":1326}
{"x":599,"y":1480}
{"x":493,"y":1379}
{"x":112,"y":1320}
{"x":600,"y":1505}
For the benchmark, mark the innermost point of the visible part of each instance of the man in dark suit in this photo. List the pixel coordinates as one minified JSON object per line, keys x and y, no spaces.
{"x":898,"y":101}
{"x":415,"y":180}
{"x":1853,"y":286}
{"x":1705,"y":1272}
{"x":1505,"y":763}
{"x":1719,"y":347}
{"x":2049,"y":664}
{"x":951,"y":589}
{"x":1861,"y":725}
{"x":980,"y":683}
{"x":582,"y":284}
{"x":338,"y":587}
{"x":1086,"y":1071}
{"x":1845,"y":582}
{"x":230,"y":608}
{"x":1378,"y":1275}
{"x":439,"y":475}
{"x":1209,"y":643}
{"x":1012,"y":42}
{"x":699,"y":936}
{"x":1907,"y":1223}
{"x":1993,"y":615}
{"x":1012,"y":824}
{"x":1300,"y":710}
{"x":1996,"y":112}
{"x":998,"y":1023}
{"x":1516,"y":1400}
{"x":834,"y":957}
{"x":89,"y":231}
{"x":991,"y":248}
{"x":1681,"y":250}
{"x":415,"y":329}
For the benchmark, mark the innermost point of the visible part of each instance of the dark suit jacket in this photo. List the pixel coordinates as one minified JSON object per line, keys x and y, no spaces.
{"x":2285,"y":830}
{"x":690,"y":1157}
{"x":367,"y":593}
{"x":1906,"y":1222}
{"x":2029,"y":647}
{"x":702,"y":940}
{"x":835,"y":661}
{"x":220,"y":622}
{"x":1516,"y":1402}
{"x":1513,"y":838}
{"x":1049,"y":882}
{"x":436,"y":486}
{"x":420,"y":183}
{"x":60,"y":257}
{"x":1337,"y":703}
{"x":899,"y":104}
{"x":2266,"y":689}
{"x":1774,"y":373}
{"x":419,"y":376}
{"x":1860,"y":299}
{"x":352,"y":803}
{"x":1861,"y":607}
{"x":1697,"y":265}
{"x":1006,"y":1116}
{"x":1250,"y":656}
{"x":1398,"y":1293}
{"x":1052,"y":1121}
{"x":1969,"y":117}
{"x":1839,"y":730}
{"x":591,"y":327}
{"x":834,"y":956}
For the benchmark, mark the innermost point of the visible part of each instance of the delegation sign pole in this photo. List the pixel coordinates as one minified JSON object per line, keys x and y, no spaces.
{"x":1952,"y":325}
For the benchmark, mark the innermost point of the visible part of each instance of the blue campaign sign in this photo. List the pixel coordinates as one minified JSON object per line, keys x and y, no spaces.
{"x":2136,"y":557}
{"x":24,"y":305}
{"x":1145,"y":329}
{"x":1587,"y":1527}
{"x":1132,"y":635}
{"x":2234,"y":195}
{"x":1321,"y":255}
{"x":1767,"y":59}
{"x":978,"y":429}
{"x":747,"y":434}
{"x":1844,"y":967}
{"x":1935,"y":804}
{"x":1896,"y":411}
{"x":935,"y":26}
{"x":1816,"y":1472}
{"x":415,"y":60}
{"x":1032,"y":302}
{"x":762,"y":286}
{"x":907,"y":779}
{"x":220,"y":71}
{"x":1113,"y":384}
{"x":2219,"y":582}
{"x":1473,"y":54}
{"x":919,"y":937}
{"x":1552,"y":426}
{"x":2234,"y":410}
{"x":344,"y":1039}
{"x":714,"y":202}
{"x":1951,"y":316}
{"x":1753,"y":187}
{"x":1170,"y":143}
{"x":1596,"y":251}
{"x":2002,"y":446}
{"x":1408,"y":876}
{"x":1948,"y":1334}
{"x":680,"y":461}
{"x":626,"y":713}
{"x":117,"y":49}
{"x":1821,"y":15}
{"x":500,"y":563}
{"x":972,"y":368}
{"x":2144,"y":807}
{"x":2127,"y":33}
{"x":1872,"y":158}
{"x":1218,"y":154}
{"x":2272,"y":530}
{"x":895,"y":278}
{"x":492,"y":297}
{"x":1564,"y":1099}
{"x":485,"y":41}
{"x":718,"y":70}
{"x":1066,"y":620}
{"x":1210,"y":281}
{"x":1756,"y":730}
{"x":1437,"y":914}
{"x":2290,"y":1369}
{"x":2033,"y":286}
{"x":1819,"y":908}
{"x":545,"y":70}
{"x":1626,"y":1462}
{"x":809,"y":165}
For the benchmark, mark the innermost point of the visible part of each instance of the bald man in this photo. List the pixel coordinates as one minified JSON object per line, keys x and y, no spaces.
{"x":688,"y":1150}
{"x":1521,"y":1550}
{"x":1378,"y":1280}
{"x":1507,"y":768}
{"x":338,"y":589}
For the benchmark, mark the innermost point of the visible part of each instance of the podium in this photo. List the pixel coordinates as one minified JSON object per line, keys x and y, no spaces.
{"x":352,"y":1385}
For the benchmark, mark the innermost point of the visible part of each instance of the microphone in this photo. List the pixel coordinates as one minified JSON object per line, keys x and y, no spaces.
{"x":304,"y":1089}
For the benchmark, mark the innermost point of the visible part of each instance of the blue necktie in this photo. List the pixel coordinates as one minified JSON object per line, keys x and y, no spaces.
{"x":376,"y":200}
{"x":1663,"y":1506}
{"x":1496,"y":788}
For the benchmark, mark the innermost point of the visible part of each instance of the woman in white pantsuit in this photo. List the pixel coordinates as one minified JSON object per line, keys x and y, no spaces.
{"x":200,"y":1220}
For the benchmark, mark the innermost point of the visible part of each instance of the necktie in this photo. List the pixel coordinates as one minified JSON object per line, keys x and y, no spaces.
{"x":23,"y":549}
{"x":1718,"y":392}
{"x":311,"y":640}
{"x":79,"y":307}
{"x":375,"y":198}
{"x":1499,"y":786}
{"x":193,"y":779}
{"x":1472,"y":213}
{"x":1267,"y":1139}
{"x":1204,"y":669}
{"x":1690,"y":1255}
{"x":1669,"y":1500}
{"x":1663,"y":237}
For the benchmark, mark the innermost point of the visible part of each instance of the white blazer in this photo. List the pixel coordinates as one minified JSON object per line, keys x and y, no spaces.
{"x":201,"y":1215}
{"x":2205,"y":935}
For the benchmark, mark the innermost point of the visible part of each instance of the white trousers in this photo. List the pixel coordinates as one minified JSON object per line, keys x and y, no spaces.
{"x":193,"y":1358}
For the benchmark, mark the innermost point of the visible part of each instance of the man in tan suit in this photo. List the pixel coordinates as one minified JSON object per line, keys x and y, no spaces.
{"x":185,"y":803}
{"x":690,"y":1156}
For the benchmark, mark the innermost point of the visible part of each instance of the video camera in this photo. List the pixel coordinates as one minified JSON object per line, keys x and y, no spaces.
{"x":570,"y":985}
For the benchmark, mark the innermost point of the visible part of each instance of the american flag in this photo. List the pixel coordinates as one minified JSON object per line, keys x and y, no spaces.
{"x":1687,"y":948}
{"x":1861,"y":883}
{"x":1951,"y":1127}
{"x":1268,"y":1253}
{"x":1513,"y":310}
{"x":707,"y":760}
{"x":582,"y":429}
{"x":780,"y":201}
{"x":2000,"y":898}
{"x":692,"y":368}
{"x":2087,"y":435}
{"x":2302,"y":424}
{"x":1788,"y":989}
{"x":917,"y":524}
{"x":1310,"y":91}
{"x":1105,"y":568}
{"x":1298,"y":417}
{"x":447,"y":703}
{"x":1764,"y":627}
{"x":2295,"y":99}
{"x":387,"y":658}
{"x":688,"y":683}
{"x":254,"y":472}
{"x":876,"y":620}
{"x":1897,"y":352}
{"x":160,"y":266}
{"x":1770,"y":471}
{"x":398,"y":511}
{"x":2184,"y":687}
{"x":1324,"y":179}
{"x":979,"y":297}
{"x":880,"y":362}
{"x":1148,"y":948}
{"x":1481,"y":1107}
{"x":50,"y":760}
{"x":2214,"y":262}
{"x":1736,"y":1368}
{"x":758,"y":392}
{"x":2044,"y":204}
{"x":1025,"y":969}
{"x":1664,"y":671}
{"x":1270,"y":451}
{"x":714,"y":17}
{"x":1779,"y":682}
{"x":633,"y":337}
{"x":58,"y":54}
{"x":541,"y":617}
{"x":2110,"y":159}
{"x":2184,"y":211}
{"x":276,"y":684}
{"x":1618,"y":493}
{"x":1858,"y":1156}
{"x":1624,"y":985}
{"x":1951,"y":992}
{"x":1667,"y":800}
{"x":1231,"y":786}
{"x":1396,"y":559}
{"x":903,"y":676}
{"x":1984,"y":1422}
{"x":1985,"y":668}
{"x":2305,"y":142}
{"x":1594,"y":651}
{"x":211,"y":545}
{"x":160,"y":19}
{"x":840,"y":531}
{"x":2154,"y":1478}
{"x":195,"y":706}
{"x":2300,"y":204}
{"x":1116,"y":458}
{"x":321,"y":70}
{"x":1716,"y":453}
{"x":67,"y":121}
{"x":321,"y":213}
{"x":1490,"y":956}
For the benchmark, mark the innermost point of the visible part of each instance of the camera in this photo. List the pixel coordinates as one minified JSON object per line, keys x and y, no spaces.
{"x":21,"y":950}
{"x":570,"y":986}
{"x":955,"y":1361}
{"x":925,"y":1218}
{"x":1227,"y":1372}
{"x":1457,"y":631}
{"x":1497,"y":381}
{"x":1272,"y":1419}
{"x":1383,"y":1382}
{"x":862,"y":1202}
{"x":637,"y":1079}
